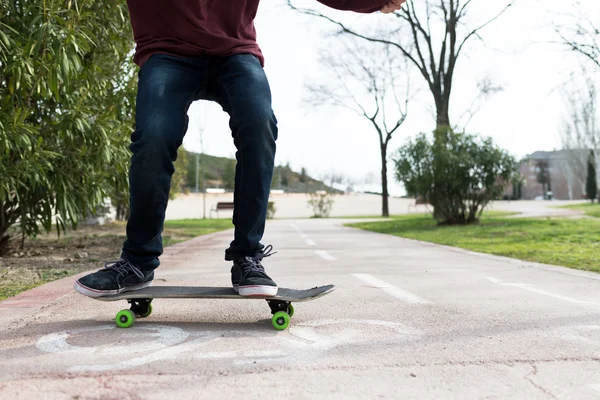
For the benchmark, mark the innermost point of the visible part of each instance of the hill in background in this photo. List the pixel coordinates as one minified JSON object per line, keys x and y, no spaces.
{"x":219,"y":172}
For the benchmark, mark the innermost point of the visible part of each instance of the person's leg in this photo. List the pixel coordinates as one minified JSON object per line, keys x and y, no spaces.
{"x":166,"y":88}
{"x":242,"y":89}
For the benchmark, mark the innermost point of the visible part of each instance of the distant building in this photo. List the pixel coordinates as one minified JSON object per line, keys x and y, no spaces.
{"x":567,"y":171}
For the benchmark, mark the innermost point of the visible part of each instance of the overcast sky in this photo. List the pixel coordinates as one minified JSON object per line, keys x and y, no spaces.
{"x":520,"y":54}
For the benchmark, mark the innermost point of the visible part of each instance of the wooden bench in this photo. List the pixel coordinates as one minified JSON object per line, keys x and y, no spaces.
{"x":226,"y":205}
{"x":222,"y":205}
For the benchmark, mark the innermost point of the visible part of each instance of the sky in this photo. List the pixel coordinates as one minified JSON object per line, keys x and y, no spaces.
{"x":519,"y":52}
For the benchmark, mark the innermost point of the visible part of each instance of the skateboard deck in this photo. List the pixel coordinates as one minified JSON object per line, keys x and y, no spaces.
{"x":280,"y":304}
{"x":208,"y":292}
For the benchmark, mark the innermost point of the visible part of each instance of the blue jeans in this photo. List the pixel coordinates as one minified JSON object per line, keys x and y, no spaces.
{"x":167,"y":86}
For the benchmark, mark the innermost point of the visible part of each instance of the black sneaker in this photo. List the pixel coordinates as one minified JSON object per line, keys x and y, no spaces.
{"x":116,"y":277}
{"x":236,"y":276}
{"x":249,"y":278}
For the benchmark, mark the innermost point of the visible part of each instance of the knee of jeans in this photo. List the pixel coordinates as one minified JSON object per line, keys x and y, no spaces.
{"x":157,"y":136}
{"x":259,"y":128}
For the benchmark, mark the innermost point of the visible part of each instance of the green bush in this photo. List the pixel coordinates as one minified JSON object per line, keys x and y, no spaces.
{"x":458,"y":177}
{"x":67,"y":96}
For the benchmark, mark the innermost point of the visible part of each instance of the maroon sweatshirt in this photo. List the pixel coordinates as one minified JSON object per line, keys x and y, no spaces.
{"x":189,"y":28}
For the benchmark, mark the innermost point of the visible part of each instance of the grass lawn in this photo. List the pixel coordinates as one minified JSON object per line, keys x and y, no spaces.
{"x":184,"y":229}
{"x":571,"y":243}
{"x":589,"y":209}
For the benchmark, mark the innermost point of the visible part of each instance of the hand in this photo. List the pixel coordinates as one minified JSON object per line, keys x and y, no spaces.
{"x":392,"y":5}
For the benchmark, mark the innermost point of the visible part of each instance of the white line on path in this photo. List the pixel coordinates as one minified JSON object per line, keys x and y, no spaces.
{"x":325,"y":255}
{"x":308,"y":241}
{"x":595,"y":387}
{"x":526,"y":286}
{"x":398,"y":293}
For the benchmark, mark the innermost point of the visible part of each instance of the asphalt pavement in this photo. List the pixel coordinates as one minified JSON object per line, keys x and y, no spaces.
{"x":409,"y":320}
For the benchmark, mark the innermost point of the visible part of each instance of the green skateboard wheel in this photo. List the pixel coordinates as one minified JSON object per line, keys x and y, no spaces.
{"x":280,"y":320}
{"x":125,"y":318}
{"x":147,"y":313}
{"x":291,"y":310}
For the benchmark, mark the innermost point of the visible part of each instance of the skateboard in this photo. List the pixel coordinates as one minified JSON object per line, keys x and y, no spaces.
{"x":280,"y":304}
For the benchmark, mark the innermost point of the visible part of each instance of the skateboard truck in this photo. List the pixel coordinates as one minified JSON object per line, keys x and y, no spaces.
{"x":282,"y":312}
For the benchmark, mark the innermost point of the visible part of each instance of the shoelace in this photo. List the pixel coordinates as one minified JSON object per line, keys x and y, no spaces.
{"x":253,"y":263}
{"x":124,"y":267}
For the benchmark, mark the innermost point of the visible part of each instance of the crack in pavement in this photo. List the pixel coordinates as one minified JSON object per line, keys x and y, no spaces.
{"x":537,"y":386}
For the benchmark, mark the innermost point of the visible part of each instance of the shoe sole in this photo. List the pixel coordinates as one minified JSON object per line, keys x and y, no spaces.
{"x":87,"y":291}
{"x":257,"y":290}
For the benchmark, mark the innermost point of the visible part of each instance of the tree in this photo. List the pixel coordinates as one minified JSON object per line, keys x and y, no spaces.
{"x":303,"y":177}
{"x":476,"y":173}
{"x":179,"y":179}
{"x":581,"y":34}
{"x":432,"y":35}
{"x":66,"y":111}
{"x":591,"y":186}
{"x":286,"y":174}
{"x":437,"y":36}
{"x":580,"y":131}
{"x":365,"y":80}
{"x":543,"y":175}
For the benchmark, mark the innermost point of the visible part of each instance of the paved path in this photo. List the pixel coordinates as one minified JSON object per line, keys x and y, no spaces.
{"x":409,"y":320}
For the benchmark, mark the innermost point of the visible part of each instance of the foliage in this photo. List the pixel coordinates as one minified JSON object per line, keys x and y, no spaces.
{"x":303,"y":178}
{"x":179,"y":178}
{"x":271,"y":210}
{"x":66,"y":110}
{"x":474,"y":172}
{"x":321,"y":203}
{"x":591,"y":185}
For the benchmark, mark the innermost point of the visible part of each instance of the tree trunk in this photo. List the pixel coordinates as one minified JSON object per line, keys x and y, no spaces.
{"x":438,"y":200}
{"x":385,"y":211}
{"x":442,"y":125}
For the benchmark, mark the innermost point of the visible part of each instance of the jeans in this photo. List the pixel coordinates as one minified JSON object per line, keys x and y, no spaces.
{"x":167,"y":87}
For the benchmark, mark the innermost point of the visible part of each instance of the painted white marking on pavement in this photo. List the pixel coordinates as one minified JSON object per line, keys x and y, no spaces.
{"x":310,"y":242}
{"x":325,"y":255}
{"x":303,"y":235}
{"x":398,"y":293}
{"x":596,"y":387}
{"x":526,"y":286}
{"x":305,"y":341}
{"x":161,"y":336}
{"x":163,"y":354}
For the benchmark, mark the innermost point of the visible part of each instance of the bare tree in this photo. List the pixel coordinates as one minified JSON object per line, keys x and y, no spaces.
{"x":365,"y":79}
{"x":435,"y":40}
{"x":432,"y":35}
{"x":582,"y":34}
{"x":332,"y":179}
{"x":580,"y":132}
